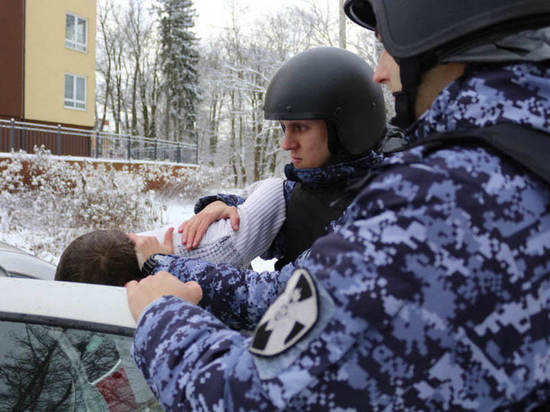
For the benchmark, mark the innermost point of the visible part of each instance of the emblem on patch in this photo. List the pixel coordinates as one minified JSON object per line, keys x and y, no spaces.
{"x":289,"y":318}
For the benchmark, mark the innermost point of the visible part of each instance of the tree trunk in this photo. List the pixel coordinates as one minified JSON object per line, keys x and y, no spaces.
{"x":342,"y":26}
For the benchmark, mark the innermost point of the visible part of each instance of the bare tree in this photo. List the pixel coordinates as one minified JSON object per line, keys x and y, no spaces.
{"x":105,"y":57}
{"x":110,"y":64}
{"x":234,"y":71}
{"x":342,"y":26}
{"x":245,"y":63}
{"x":214,"y":98}
{"x":128,"y":65}
{"x":323,"y":21}
{"x":138,"y":30}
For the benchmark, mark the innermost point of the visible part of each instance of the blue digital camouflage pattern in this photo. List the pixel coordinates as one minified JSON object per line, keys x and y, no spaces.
{"x":435,"y":286}
{"x":518,"y":93}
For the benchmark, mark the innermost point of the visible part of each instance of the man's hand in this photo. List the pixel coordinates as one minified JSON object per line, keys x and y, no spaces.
{"x":194,"y":229}
{"x":142,"y":293}
{"x":145,"y":246}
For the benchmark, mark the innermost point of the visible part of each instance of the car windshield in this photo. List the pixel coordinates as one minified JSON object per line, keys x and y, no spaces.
{"x":59,"y":369}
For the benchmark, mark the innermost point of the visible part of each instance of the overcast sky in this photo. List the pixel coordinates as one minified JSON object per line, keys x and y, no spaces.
{"x":213,"y":15}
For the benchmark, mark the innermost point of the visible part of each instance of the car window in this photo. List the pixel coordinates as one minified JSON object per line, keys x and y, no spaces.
{"x":22,"y":264}
{"x":58,"y":369}
{"x":19,"y":275}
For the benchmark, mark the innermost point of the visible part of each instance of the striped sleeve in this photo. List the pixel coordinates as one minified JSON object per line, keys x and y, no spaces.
{"x":262,"y":215}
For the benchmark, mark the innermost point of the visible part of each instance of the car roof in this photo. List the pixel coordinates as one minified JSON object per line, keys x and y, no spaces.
{"x":20,"y":263}
{"x":83,"y":305}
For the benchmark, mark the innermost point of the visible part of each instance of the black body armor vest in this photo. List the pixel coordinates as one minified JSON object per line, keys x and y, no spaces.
{"x":524,"y":145}
{"x":309,"y":211}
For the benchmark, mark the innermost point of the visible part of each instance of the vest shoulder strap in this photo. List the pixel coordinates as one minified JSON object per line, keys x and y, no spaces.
{"x":524,"y":145}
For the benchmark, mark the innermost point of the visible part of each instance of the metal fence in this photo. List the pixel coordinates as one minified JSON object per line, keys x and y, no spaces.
{"x":91,"y":143}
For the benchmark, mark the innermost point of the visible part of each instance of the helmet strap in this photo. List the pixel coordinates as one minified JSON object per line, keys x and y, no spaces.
{"x":402,"y":118}
{"x":405,"y":99}
{"x":411,"y":70}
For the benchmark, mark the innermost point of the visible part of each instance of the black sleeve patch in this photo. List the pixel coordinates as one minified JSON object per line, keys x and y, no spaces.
{"x":289,"y":318}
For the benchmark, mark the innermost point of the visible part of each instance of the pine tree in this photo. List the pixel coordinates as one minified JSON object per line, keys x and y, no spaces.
{"x":180,"y":59}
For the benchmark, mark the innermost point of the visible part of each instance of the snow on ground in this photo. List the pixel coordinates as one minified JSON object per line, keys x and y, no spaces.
{"x":66,"y":201}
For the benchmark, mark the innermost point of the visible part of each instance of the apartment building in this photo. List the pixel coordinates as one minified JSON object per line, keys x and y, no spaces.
{"x":47,"y":75}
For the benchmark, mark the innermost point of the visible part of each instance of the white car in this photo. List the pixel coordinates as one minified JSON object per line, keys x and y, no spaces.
{"x":66,"y":346}
{"x":16,"y":263}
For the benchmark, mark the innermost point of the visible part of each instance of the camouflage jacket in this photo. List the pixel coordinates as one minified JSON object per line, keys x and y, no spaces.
{"x":431,"y":293}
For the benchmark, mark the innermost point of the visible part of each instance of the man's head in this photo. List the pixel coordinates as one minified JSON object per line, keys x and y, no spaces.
{"x":307,"y":142}
{"x":102,"y":256}
{"x":329,"y":92}
{"x":422,"y":35}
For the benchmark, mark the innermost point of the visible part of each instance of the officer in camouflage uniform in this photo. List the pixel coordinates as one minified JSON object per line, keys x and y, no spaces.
{"x":335,"y":86}
{"x":433,"y":290}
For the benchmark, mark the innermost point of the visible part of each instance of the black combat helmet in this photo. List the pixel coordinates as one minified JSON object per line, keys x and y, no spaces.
{"x":422,"y":33}
{"x":334,"y":85}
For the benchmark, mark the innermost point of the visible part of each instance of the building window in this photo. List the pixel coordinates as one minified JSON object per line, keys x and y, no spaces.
{"x":75,"y":92}
{"x":75,"y":32}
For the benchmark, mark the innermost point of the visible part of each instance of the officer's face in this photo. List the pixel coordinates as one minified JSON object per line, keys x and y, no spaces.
{"x":432,"y":82}
{"x":387,"y":72}
{"x":307,"y":141}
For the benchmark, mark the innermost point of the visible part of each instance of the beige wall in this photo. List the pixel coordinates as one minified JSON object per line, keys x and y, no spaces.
{"x":47,"y":60}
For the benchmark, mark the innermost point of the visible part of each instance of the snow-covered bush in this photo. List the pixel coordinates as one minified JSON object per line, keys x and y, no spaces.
{"x":184,"y":184}
{"x":48,"y":201}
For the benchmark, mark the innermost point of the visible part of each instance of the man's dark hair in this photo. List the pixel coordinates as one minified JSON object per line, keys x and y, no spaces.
{"x":102,"y":256}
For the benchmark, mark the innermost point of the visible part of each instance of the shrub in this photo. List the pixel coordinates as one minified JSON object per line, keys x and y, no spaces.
{"x":50,"y":201}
